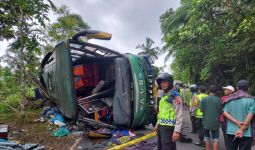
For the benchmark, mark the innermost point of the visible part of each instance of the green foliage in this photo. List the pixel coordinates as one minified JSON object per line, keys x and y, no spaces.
{"x":212,"y":42}
{"x":66,"y":26}
{"x":10,"y":104}
{"x":23,"y":22}
{"x":186,"y":95}
{"x":156,"y":71}
{"x":35,"y":13}
{"x":147,"y":48}
{"x":9,"y":91}
{"x":182,"y":75}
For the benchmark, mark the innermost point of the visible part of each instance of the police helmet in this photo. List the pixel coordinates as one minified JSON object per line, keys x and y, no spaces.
{"x":165,"y":76}
{"x":193,"y":88}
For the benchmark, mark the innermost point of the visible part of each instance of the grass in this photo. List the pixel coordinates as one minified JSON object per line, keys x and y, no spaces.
{"x":29,"y":116}
{"x":25,"y":130}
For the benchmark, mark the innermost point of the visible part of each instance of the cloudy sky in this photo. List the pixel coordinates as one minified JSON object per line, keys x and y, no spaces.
{"x":129,"y":21}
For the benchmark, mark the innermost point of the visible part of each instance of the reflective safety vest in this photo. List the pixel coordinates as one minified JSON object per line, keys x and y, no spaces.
{"x":181,"y":91}
{"x":166,"y":115}
{"x":191,"y":102}
{"x":198,"y":113}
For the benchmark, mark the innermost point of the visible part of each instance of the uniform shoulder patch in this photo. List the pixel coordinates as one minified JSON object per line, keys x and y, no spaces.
{"x":174,"y":93}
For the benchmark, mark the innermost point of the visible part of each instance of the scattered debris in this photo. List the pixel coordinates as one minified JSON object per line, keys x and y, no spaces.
{"x":104,"y":131}
{"x":41,"y":119}
{"x":120,"y":133}
{"x":23,"y":130}
{"x":132,"y":141}
{"x":74,"y":146}
{"x":61,"y":131}
{"x":4,"y":131}
{"x":78,"y":133}
{"x":94,"y":134}
{"x":118,"y":141}
{"x":56,"y":119}
{"x":10,"y":145}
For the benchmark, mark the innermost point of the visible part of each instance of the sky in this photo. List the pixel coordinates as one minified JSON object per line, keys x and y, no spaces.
{"x":129,"y":21}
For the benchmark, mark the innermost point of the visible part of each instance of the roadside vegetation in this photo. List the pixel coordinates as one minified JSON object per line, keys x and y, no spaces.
{"x":212,"y":42}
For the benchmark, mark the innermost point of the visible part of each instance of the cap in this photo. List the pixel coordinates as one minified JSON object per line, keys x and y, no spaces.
{"x":231,"y":88}
{"x":243,"y":84}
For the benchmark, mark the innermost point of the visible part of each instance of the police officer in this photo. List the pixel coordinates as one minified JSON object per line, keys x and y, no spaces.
{"x":170,"y":114}
{"x":199,"y":116}
{"x":193,"y":90}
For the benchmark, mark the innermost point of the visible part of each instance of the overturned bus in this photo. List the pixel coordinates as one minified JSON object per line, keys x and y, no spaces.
{"x":97,"y":86}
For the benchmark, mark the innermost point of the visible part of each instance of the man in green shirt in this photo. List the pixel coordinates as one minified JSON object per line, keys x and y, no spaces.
{"x":211,"y":108}
{"x":239,"y":110}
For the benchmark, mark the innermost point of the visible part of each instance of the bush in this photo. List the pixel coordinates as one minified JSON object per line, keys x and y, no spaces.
{"x":11,"y":103}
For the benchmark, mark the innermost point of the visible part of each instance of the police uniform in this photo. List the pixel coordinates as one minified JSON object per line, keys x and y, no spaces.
{"x":169,"y":115}
{"x":192,"y":112}
{"x":199,"y":117}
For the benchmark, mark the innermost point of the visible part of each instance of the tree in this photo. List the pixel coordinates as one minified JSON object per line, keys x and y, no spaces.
{"x":147,"y":48}
{"x":22,"y":22}
{"x":66,"y":26}
{"x":212,"y":42}
{"x":156,"y":71}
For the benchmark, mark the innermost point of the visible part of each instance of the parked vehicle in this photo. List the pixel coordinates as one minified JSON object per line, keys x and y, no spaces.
{"x":96,"y":85}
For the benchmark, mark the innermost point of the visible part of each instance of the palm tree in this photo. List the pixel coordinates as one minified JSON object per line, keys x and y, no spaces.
{"x":171,"y":20}
{"x":147,"y":48}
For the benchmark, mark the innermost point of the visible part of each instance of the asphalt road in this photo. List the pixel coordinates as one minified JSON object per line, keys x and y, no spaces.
{"x":187,"y":127}
{"x":88,"y":144}
{"x":194,"y":137}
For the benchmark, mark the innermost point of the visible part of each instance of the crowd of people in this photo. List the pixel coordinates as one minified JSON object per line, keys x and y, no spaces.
{"x":209,"y":112}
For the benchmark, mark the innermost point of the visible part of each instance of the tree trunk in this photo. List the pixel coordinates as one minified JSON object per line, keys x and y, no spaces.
{"x":234,"y":11}
{"x":22,"y":70}
{"x":190,"y":74}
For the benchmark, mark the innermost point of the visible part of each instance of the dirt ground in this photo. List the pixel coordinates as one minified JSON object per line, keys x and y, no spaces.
{"x":28,"y":131}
